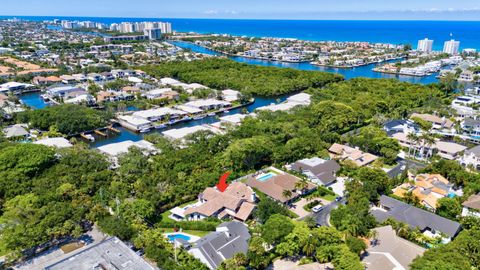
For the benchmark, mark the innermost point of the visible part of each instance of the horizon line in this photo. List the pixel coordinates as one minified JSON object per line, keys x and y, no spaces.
{"x":258,"y":19}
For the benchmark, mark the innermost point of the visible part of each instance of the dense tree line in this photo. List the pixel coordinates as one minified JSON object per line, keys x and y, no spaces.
{"x":48,"y":194}
{"x":67,"y":118}
{"x":219,"y":73}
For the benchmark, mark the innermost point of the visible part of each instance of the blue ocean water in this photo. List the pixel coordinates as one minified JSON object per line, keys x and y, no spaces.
{"x":397,"y":32}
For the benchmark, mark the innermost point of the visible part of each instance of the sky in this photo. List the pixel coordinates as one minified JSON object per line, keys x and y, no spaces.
{"x":251,"y":9}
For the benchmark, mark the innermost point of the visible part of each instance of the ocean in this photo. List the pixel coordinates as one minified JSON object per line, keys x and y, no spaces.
{"x":396,"y":32}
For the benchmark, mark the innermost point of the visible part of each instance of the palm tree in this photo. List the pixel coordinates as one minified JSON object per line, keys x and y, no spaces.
{"x":412,"y":138}
{"x":301,"y":185}
{"x":428,"y":140}
{"x":310,"y":246}
{"x":287,"y":194}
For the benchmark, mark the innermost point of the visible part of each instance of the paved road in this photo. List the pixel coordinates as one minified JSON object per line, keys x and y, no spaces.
{"x":323,"y":216}
{"x":403,"y":164}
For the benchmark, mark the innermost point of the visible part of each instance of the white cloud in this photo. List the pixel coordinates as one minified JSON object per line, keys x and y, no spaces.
{"x":221,"y":12}
{"x":211,"y":12}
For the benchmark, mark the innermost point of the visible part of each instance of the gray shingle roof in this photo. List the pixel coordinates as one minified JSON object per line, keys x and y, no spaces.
{"x":323,"y":170}
{"x":415,"y":217}
{"x":475,"y":150}
{"x":229,"y":239}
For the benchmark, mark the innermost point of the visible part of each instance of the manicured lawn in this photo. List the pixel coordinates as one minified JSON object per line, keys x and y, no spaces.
{"x":167,"y":213}
{"x":328,"y":197}
{"x":386,"y":166}
{"x":325,"y":194}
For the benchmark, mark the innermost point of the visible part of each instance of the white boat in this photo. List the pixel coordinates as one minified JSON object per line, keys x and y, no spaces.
{"x":199,"y":117}
{"x":186,"y":118}
{"x":144,"y":130}
{"x":211,"y":114}
{"x":45,"y":97}
{"x":226,"y":111}
{"x":89,"y":137}
{"x":160,"y":126}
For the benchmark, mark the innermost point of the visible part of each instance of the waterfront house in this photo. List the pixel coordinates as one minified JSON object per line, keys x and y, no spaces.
{"x":319,"y":171}
{"x":14,"y":86}
{"x":355,"y":155}
{"x":274,"y":183}
{"x":162,"y":113}
{"x":208,"y":104}
{"x":428,"y":188}
{"x":134,"y":123}
{"x":471,"y":207}
{"x":80,"y":98}
{"x":236,"y":202}
{"x":63,"y":90}
{"x":230,"y":238}
{"x":427,"y":222}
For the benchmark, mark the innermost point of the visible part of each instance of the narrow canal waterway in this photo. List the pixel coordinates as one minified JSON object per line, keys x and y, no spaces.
{"x":34,"y":100}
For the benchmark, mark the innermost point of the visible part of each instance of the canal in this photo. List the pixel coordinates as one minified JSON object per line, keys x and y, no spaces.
{"x":34,"y":100}
{"x":362,"y":71}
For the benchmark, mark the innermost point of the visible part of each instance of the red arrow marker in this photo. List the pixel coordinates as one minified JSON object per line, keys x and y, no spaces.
{"x":222,"y":182}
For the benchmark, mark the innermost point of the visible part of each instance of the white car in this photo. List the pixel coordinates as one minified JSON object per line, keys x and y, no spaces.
{"x":317,"y":208}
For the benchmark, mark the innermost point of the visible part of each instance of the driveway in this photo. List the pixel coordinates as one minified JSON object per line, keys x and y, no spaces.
{"x":323,"y":216}
{"x":403,"y":164}
{"x":339,"y":186}
{"x":297,"y":208}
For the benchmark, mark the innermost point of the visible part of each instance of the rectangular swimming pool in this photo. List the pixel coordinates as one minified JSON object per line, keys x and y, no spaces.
{"x":265,"y":177}
{"x":172,"y":237}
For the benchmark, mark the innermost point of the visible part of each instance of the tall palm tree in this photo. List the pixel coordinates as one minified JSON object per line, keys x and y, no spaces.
{"x":301,"y":185}
{"x":310,"y":246}
{"x":412,"y":138}
{"x":287,"y":194}
{"x":428,"y":141}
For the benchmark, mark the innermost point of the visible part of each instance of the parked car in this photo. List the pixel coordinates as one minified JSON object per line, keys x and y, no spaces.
{"x":317,"y":208}
{"x":339,"y":198}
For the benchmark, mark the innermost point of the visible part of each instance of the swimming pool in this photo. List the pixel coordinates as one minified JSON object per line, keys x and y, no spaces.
{"x":265,"y":177}
{"x":172,"y":237}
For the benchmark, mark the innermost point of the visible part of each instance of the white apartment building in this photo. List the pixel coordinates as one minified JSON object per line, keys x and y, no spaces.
{"x":451,"y":47}
{"x":425,"y":45}
{"x":153,"y":33}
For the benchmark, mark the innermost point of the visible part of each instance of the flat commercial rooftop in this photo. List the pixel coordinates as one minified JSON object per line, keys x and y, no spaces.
{"x":110,"y":254}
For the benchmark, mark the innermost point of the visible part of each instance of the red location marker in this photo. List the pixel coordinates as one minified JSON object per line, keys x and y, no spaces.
{"x":222,"y":182}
